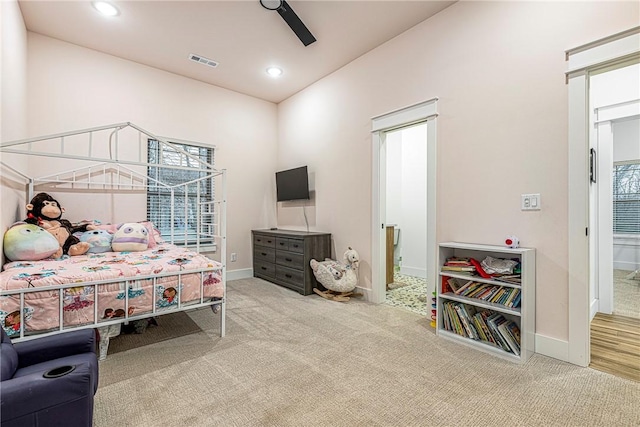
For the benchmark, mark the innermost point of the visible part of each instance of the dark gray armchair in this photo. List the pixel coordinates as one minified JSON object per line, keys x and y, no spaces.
{"x":48,"y":381}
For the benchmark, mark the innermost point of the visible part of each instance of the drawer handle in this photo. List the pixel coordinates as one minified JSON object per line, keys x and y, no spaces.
{"x":268,"y":241}
{"x":288,"y":276}
{"x":281,"y":243}
{"x":296,"y":246}
{"x":263,"y":253}
{"x":264,"y":268}
{"x":288,"y":259}
{"x":258,"y":240}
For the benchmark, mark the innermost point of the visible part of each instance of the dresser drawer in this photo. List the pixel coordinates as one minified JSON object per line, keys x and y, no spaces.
{"x":290,"y":259}
{"x":264,"y":269}
{"x":261,"y":240}
{"x":296,"y":245}
{"x":292,"y":277}
{"x":263,"y":253}
{"x":282,"y":243}
{"x":291,"y":245}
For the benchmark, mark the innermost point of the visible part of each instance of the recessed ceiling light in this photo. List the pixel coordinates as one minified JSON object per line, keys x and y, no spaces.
{"x":274,"y":71}
{"x":105,"y":8}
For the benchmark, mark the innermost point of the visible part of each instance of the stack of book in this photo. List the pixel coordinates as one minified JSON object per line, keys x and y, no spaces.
{"x":434,"y":312}
{"x":486,"y":326}
{"x":507,"y":296}
{"x":459,"y":264}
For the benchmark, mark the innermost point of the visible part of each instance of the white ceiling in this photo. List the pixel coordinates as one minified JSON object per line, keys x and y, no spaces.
{"x":241,"y":35}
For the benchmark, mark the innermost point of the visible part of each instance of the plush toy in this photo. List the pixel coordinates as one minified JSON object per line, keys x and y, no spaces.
{"x":340,"y":279}
{"x":28,"y":242}
{"x":99,"y":240}
{"x":512,"y":241}
{"x":131,"y":236}
{"x":46,"y":212}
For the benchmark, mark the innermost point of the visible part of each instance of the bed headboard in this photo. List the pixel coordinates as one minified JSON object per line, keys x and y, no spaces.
{"x":106,"y":173}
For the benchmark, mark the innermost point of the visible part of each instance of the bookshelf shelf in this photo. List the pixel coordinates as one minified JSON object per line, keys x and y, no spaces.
{"x":479,"y":303}
{"x":478,"y":279}
{"x":479,"y":345}
{"x":492,"y":327}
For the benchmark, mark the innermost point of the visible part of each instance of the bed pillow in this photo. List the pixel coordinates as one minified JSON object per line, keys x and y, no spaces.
{"x":154,"y":233}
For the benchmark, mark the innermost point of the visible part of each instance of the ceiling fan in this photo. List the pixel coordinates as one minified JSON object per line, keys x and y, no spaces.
{"x":290,"y":17}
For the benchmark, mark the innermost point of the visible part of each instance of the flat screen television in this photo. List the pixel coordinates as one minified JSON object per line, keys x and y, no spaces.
{"x":292,"y":184}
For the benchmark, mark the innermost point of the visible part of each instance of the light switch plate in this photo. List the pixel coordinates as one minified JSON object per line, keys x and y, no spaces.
{"x":530,"y":202}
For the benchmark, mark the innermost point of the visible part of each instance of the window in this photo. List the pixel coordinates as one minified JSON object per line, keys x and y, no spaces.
{"x":174,"y":168}
{"x":626,"y":198}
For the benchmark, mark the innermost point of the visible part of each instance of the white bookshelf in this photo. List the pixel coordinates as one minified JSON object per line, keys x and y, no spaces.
{"x":523,"y":315}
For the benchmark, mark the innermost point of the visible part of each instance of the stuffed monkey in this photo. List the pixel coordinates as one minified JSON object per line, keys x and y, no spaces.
{"x":46,"y":212}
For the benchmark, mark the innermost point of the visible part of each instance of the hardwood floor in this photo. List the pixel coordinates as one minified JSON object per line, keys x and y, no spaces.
{"x":615,"y":345}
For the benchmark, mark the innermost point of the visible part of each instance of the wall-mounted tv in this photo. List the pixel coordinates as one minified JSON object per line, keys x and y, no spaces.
{"x":292,"y":184}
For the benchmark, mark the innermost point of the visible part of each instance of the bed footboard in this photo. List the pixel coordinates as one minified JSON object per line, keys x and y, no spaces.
{"x":82,"y":305}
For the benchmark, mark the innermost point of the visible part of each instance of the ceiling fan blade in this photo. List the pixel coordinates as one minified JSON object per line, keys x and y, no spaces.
{"x":296,"y":24}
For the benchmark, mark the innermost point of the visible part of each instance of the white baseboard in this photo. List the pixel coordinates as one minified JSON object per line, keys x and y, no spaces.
{"x":593,"y":309}
{"x":624,"y":265}
{"x":367,"y":294}
{"x":413,"y":271}
{"x":552,"y":347}
{"x":243,"y":273}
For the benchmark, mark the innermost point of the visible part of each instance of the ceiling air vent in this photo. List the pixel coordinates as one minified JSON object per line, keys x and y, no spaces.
{"x":203,"y":60}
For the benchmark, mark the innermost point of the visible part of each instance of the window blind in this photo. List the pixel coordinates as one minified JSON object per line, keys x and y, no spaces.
{"x":185,"y":200}
{"x":626,"y":198}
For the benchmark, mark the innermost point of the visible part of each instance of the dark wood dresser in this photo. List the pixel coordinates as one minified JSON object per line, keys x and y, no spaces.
{"x":282,"y":257}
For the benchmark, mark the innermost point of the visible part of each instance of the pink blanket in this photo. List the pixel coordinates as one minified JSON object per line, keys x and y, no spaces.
{"x":80,"y":304}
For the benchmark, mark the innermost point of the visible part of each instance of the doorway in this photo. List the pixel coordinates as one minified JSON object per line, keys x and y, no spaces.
{"x":614,"y":99}
{"x":406,"y":213}
{"x":416,"y":125}
{"x":612,"y":51}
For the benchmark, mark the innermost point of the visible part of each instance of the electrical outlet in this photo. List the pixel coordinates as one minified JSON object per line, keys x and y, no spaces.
{"x":234,"y":257}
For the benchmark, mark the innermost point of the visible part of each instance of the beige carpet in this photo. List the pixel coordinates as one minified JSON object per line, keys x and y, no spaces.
{"x":289,"y":360}
{"x":626,"y":294}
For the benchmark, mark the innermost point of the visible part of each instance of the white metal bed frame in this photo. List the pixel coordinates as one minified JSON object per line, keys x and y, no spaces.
{"x":100,"y":172}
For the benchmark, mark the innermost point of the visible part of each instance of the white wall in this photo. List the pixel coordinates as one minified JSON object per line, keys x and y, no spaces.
{"x":13,"y":116}
{"x":80,"y":88}
{"x":414,"y":201}
{"x":498,"y":71}
{"x":614,"y":87}
{"x":406,"y":196}
{"x":626,"y":140}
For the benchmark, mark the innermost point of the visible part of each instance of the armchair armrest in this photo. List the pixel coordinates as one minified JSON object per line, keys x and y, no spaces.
{"x":55,"y":346}
{"x":31,"y":393}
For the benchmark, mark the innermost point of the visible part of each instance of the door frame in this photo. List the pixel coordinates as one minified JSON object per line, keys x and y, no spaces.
{"x":424,"y":112}
{"x":582,"y":60}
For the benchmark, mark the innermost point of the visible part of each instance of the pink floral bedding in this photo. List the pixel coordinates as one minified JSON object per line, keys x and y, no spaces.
{"x":42,"y":311}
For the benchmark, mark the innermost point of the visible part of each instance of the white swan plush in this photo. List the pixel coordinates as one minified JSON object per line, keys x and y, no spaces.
{"x":339,"y":278}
